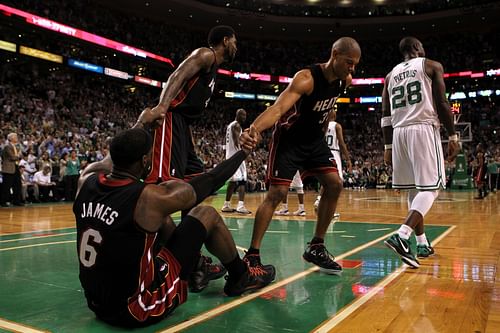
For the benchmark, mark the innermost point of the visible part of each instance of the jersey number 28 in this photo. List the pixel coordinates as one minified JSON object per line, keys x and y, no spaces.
{"x":413,"y":94}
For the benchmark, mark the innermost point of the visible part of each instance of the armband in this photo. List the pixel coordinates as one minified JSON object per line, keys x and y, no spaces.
{"x":453,"y":137}
{"x":388,"y":147}
{"x":385,"y":121}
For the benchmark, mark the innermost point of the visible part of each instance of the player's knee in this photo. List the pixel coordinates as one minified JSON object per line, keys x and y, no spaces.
{"x":207,"y":215}
{"x":333,"y":184}
{"x":276,"y":194}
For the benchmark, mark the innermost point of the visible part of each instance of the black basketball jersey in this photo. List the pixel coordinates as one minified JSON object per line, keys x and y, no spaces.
{"x":195,"y":94}
{"x":112,"y":248}
{"x":304,"y":121}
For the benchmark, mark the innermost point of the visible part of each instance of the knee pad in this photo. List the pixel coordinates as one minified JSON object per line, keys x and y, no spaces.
{"x":423,"y":201}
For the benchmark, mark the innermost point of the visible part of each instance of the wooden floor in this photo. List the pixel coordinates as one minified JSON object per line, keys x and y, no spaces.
{"x":455,"y":291}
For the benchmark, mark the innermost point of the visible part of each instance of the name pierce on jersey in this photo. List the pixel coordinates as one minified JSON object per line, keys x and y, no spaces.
{"x":403,"y":75}
{"x":99,"y":211}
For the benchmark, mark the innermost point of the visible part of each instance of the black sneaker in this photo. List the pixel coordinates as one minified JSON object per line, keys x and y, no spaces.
{"x":204,"y":272}
{"x":253,"y":279}
{"x":318,"y":254}
{"x":403,"y":248}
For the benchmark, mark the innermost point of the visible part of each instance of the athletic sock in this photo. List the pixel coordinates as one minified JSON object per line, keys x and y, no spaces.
{"x":421,"y":239}
{"x":253,"y":251}
{"x":240,"y":204}
{"x":405,"y":231}
{"x":317,"y":240}
{"x":236,"y":267}
{"x":301,"y":206}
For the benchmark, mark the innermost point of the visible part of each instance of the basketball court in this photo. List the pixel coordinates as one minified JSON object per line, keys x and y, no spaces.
{"x":455,"y":291}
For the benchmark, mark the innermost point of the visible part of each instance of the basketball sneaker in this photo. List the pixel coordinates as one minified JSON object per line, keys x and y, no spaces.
{"x":424,"y":251}
{"x":318,"y":254}
{"x":253,"y":279}
{"x":243,"y":210}
{"x":403,"y":248}
{"x":299,"y":212}
{"x":316,"y":205}
{"x":282,"y":212}
{"x":204,"y":272}
{"x":227,"y":209}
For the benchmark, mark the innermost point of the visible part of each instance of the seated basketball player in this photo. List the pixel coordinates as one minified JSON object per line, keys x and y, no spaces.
{"x":134,"y":261}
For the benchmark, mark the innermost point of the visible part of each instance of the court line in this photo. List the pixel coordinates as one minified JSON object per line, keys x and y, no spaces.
{"x":37,"y":237}
{"x":379,"y":229}
{"x":243,"y":299}
{"x":347,"y":236}
{"x":33,"y":231}
{"x":15,"y":327}
{"x":347,"y":311}
{"x":36,"y":245}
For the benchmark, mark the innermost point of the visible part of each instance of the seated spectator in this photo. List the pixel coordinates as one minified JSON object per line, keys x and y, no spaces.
{"x":44,"y":185}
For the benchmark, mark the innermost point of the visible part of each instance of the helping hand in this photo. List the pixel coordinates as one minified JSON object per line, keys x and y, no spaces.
{"x":249,"y":140}
{"x":152,"y":117}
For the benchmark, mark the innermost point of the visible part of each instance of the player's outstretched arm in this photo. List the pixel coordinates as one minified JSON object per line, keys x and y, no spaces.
{"x":386,"y":123}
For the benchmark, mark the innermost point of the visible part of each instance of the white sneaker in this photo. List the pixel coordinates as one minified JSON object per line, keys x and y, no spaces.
{"x":243,"y":210}
{"x":315,"y":205}
{"x":299,"y":212}
{"x":227,"y":209}
{"x":282,"y":212}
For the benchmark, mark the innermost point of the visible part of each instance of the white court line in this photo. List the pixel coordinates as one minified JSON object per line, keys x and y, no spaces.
{"x":243,"y":299}
{"x":36,"y":245}
{"x":278,"y":232}
{"x":33,"y":231}
{"x":379,"y":229}
{"x":36,"y":237}
{"x":15,"y":327}
{"x":347,"y":236}
{"x":347,"y":311}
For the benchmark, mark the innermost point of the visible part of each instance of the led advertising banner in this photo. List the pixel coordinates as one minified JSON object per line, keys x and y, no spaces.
{"x":86,"y":66}
{"x":83,"y":35}
{"x":116,"y":73}
{"x":7,"y":46}
{"x":148,"y":81}
{"x":40,"y":54}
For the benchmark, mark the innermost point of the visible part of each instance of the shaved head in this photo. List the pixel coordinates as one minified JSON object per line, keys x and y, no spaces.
{"x":346,"y":45}
{"x":411,"y":45}
{"x":241,"y":116}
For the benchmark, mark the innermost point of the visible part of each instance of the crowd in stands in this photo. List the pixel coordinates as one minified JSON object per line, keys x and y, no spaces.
{"x":64,"y":118}
{"x":458,"y":51}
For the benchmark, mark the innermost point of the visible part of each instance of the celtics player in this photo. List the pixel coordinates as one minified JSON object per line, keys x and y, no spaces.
{"x":413,"y":104}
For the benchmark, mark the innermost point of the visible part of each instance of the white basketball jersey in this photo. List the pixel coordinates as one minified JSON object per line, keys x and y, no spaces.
{"x":410,"y":94}
{"x":231,"y":146}
{"x":331,"y":136}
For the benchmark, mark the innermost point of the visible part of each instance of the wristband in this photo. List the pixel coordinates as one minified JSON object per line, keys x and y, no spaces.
{"x":388,"y":147}
{"x":453,"y":137}
{"x":386,"y":121}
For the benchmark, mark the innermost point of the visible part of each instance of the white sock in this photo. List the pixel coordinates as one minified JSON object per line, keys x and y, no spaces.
{"x":284,"y":206}
{"x":318,"y":198}
{"x":422,"y":240}
{"x":240,"y":204}
{"x":227,"y":203}
{"x":405,"y":231}
{"x":301,"y":207}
